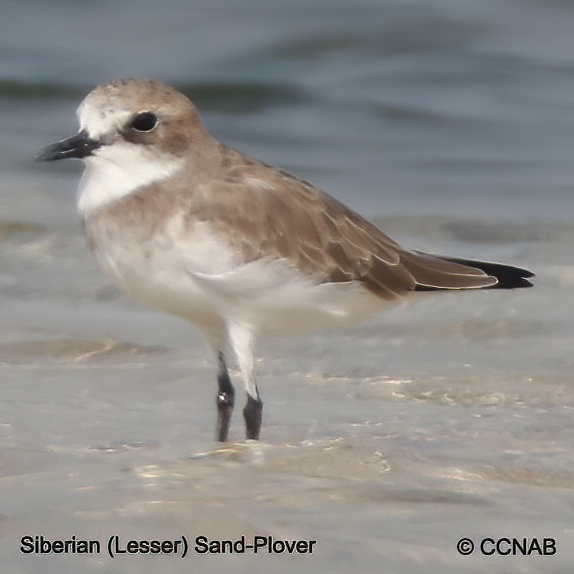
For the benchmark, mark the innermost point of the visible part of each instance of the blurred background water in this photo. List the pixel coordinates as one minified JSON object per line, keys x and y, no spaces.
{"x":450,"y":123}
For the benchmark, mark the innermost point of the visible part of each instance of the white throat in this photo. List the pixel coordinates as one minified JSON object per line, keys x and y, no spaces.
{"x":120,"y":169}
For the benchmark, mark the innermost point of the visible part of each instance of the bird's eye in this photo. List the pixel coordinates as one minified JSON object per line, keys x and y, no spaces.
{"x":144,"y":122}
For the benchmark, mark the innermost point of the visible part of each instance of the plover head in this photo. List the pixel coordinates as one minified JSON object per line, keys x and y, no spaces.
{"x":133,"y":132}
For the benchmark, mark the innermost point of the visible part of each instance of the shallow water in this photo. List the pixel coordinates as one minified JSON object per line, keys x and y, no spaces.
{"x":451,"y":416}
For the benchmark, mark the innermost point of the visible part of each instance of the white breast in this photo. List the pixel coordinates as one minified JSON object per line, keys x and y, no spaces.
{"x":117,"y":170}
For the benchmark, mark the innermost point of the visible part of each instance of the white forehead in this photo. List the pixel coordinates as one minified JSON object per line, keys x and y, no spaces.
{"x":100,"y":116}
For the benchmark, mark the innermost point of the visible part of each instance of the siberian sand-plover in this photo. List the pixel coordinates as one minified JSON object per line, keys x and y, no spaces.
{"x":189,"y":226}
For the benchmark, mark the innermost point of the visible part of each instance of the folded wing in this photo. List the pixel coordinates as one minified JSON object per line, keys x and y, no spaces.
{"x":267,"y":213}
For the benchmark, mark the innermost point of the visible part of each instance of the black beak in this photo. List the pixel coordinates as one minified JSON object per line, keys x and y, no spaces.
{"x":78,"y":146}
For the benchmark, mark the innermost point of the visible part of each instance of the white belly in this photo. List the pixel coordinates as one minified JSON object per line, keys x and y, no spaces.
{"x":204,"y":282}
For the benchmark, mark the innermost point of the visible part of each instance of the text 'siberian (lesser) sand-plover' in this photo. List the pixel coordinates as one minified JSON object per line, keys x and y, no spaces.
{"x":189,"y":226}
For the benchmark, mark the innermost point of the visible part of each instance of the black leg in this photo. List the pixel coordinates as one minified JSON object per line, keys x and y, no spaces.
{"x":253,"y":414}
{"x":225,"y":399}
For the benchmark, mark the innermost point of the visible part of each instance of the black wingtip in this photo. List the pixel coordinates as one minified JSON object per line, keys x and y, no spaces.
{"x":509,"y":277}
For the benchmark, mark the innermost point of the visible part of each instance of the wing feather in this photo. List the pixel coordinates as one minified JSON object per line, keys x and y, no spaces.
{"x":265,"y":212}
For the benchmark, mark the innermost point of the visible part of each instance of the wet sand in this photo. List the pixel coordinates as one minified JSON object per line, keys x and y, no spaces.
{"x":448,"y":417}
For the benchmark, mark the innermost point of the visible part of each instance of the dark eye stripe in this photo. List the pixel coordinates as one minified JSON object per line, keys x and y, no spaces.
{"x":144,"y":122}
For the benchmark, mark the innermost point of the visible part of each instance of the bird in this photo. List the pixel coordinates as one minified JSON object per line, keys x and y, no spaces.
{"x":192,"y":227}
